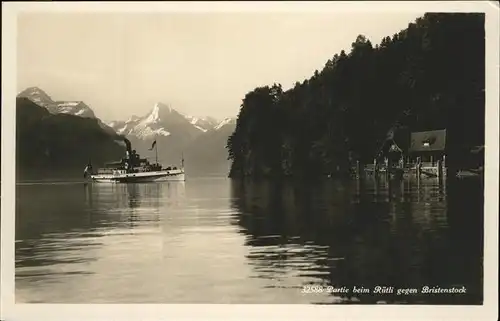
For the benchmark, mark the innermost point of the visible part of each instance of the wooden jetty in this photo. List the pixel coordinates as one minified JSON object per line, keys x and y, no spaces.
{"x":425,"y":157}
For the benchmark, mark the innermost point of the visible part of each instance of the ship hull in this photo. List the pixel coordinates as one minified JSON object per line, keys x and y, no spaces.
{"x":142,"y":177}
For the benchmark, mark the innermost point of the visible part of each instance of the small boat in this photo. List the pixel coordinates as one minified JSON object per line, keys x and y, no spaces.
{"x":133,"y":169}
{"x":465,"y":173}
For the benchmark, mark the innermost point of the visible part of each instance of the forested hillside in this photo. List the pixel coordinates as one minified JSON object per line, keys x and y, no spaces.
{"x":428,"y":76}
{"x":47,"y":141}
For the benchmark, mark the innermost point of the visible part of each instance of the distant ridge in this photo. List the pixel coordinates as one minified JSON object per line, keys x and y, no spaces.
{"x":60,"y":141}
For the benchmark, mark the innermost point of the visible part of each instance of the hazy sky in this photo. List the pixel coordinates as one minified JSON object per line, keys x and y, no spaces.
{"x":201,"y":63}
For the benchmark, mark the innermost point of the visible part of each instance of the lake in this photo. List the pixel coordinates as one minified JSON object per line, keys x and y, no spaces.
{"x":215,"y":240}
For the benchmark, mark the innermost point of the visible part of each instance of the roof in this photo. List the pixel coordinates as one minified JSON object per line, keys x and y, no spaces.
{"x":434,"y":140}
{"x":402,"y":137}
{"x":396,"y":140}
{"x":395,"y":148}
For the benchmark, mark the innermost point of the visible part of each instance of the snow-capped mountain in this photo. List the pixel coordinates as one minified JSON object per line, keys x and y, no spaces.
{"x":53,"y":141}
{"x":202,"y":140}
{"x":77,"y":108}
{"x":202,"y":123}
{"x":162,"y":120}
{"x":41,"y":98}
{"x":141,"y":127}
{"x":225,"y":122}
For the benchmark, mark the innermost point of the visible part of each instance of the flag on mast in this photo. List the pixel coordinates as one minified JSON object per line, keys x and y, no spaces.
{"x":153,"y":145}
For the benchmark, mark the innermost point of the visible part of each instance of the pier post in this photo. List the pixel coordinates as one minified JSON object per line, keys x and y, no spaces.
{"x":389,"y":168}
{"x":444,"y":165}
{"x":386,"y":163}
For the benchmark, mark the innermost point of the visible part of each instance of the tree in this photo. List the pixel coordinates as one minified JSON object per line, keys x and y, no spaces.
{"x":428,"y":76}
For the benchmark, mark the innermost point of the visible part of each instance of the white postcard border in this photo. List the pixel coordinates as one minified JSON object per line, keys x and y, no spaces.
{"x":11,"y":311}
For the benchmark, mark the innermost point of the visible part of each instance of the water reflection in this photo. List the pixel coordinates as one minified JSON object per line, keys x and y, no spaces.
{"x":61,"y":230}
{"x":221,"y":241}
{"x":404,"y":234}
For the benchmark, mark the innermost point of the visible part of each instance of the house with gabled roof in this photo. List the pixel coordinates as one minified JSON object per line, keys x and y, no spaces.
{"x":428,"y":146}
{"x":423,"y":153}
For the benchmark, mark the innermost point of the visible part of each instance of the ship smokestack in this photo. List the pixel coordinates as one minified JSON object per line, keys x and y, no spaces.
{"x":127,"y":144}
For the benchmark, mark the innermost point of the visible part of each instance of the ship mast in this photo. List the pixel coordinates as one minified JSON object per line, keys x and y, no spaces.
{"x":156,"y":150}
{"x":155,"y":146}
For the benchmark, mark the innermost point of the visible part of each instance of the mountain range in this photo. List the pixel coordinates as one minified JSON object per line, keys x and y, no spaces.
{"x":200,"y":140}
{"x":40,"y":97}
{"x":163,"y":120}
{"x":48,"y":142}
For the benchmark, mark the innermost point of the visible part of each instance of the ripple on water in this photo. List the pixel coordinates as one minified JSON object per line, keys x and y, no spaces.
{"x":251,"y":243}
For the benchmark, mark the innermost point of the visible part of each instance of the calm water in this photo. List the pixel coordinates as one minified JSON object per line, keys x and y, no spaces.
{"x":221,"y":241}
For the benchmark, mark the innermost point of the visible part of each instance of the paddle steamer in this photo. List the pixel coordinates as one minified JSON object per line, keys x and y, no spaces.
{"x":133,"y":169}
